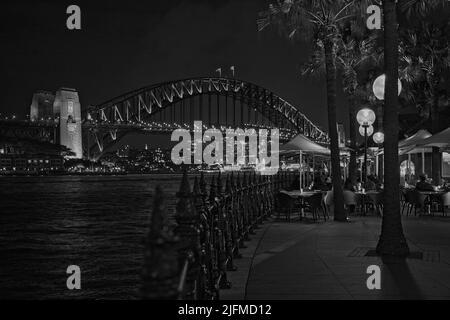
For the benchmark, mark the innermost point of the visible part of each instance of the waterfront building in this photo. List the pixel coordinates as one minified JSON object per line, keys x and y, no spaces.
{"x":29,"y":164}
{"x":42,"y":106}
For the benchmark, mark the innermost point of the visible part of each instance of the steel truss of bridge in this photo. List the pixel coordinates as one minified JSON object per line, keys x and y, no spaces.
{"x":219,"y":102}
{"x":162,"y":108}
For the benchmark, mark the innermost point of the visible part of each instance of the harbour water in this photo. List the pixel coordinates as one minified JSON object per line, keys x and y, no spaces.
{"x":96,"y":223}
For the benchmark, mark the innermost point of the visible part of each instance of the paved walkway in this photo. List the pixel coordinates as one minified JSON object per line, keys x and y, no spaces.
{"x":302,"y":260}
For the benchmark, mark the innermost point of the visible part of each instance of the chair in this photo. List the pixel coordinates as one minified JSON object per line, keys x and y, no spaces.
{"x":315,"y":204}
{"x":445,"y":202}
{"x":403,"y":202}
{"x":376,"y":199}
{"x":415,"y":200}
{"x":328,"y":202}
{"x":286,"y":205}
{"x":351,"y":200}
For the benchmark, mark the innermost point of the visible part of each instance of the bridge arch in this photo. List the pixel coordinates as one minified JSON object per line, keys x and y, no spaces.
{"x":135,"y":110}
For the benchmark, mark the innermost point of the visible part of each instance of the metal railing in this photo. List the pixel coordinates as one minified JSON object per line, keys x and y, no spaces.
{"x":191,"y":261}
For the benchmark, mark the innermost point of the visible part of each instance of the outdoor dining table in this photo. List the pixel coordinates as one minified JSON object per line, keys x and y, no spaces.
{"x":298,"y":194}
{"x":301,"y":196}
{"x":430,"y":195}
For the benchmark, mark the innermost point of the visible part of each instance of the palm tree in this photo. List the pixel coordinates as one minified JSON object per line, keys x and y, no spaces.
{"x":354,"y":54}
{"x":320,"y":21}
{"x":426,"y":55}
{"x":392,"y":240}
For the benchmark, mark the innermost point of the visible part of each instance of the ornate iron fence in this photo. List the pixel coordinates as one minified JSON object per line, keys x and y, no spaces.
{"x":192,"y":260}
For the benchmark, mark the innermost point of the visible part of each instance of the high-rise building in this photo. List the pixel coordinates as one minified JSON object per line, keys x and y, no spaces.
{"x":42,"y":105}
{"x":67,"y":106}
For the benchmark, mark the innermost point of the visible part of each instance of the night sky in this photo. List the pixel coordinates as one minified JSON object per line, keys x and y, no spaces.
{"x":130,"y":44}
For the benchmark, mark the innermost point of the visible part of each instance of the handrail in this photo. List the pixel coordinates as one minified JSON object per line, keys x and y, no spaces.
{"x":192,"y":261}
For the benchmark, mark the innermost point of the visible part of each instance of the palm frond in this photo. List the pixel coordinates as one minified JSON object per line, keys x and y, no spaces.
{"x":420,"y":8}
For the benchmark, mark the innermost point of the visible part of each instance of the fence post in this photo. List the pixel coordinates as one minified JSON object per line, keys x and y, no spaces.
{"x":219,"y":244}
{"x":237,"y":230}
{"x":228,"y":224}
{"x":188,"y":230}
{"x":160,"y":274}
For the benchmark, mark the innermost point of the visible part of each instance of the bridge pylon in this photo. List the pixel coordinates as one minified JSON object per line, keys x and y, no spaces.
{"x":67,"y":106}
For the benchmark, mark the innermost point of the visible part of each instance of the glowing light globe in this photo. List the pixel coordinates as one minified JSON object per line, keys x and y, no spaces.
{"x":379,"y":86}
{"x":286,"y":6}
{"x":362,"y":130}
{"x":366,"y":117}
{"x":378,"y":138}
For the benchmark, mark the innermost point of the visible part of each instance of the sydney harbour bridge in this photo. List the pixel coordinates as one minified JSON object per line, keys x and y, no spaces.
{"x":162,"y":108}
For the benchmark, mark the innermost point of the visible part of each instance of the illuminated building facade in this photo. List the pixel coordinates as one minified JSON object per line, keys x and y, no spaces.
{"x":68,"y":108}
{"x":42,"y":106}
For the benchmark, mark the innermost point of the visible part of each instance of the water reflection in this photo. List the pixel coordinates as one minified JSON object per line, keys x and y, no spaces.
{"x":98,"y":223}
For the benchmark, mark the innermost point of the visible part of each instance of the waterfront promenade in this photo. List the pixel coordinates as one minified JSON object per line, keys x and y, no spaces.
{"x":301,"y":260}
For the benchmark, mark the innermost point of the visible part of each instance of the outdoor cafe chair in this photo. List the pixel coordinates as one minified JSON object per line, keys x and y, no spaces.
{"x":376,"y":200}
{"x":415,"y":200}
{"x":328,"y":202}
{"x":351,"y":200}
{"x":445,"y":202}
{"x":403,"y":202}
{"x":315,"y":205}
{"x":286,"y":205}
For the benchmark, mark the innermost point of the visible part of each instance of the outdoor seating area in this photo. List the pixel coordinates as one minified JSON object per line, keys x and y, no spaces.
{"x":416,"y":202}
{"x":310,"y":197}
{"x":317,"y":205}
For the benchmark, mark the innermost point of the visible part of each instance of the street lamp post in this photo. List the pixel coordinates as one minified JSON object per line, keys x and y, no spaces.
{"x":378,"y":138}
{"x":366,"y":118}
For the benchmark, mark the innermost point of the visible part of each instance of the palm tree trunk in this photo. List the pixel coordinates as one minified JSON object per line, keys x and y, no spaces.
{"x":392,"y":240}
{"x":339,"y":211}
{"x":353,"y":154}
{"x":436,"y":155}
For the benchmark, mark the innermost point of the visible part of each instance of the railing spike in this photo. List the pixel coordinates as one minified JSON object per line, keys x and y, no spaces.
{"x":228,"y":185}
{"x":212,"y":190}
{"x":219,"y":185}
{"x":203,"y":184}
{"x":161,"y":265}
{"x":185,"y":206}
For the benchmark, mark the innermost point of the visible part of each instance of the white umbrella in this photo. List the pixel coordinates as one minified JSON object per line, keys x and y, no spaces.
{"x":415,"y":139}
{"x":408,"y":145}
{"x":302,"y":145}
{"x":439,"y":140}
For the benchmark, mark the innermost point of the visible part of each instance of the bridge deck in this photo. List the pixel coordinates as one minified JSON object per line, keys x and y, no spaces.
{"x":326,"y":261}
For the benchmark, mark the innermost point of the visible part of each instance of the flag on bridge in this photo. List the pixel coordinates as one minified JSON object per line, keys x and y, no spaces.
{"x":233,"y":69}
{"x":220,"y":72}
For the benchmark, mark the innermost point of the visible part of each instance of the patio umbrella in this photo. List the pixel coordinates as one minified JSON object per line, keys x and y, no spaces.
{"x":415,"y":139}
{"x":439,"y":140}
{"x":302,"y":145}
{"x":408,"y":145}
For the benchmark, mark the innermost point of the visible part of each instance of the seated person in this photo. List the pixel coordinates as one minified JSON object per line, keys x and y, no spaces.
{"x":370,"y":184}
{"x":423,"y":184}
{"x":348,"y":185}
{"x":329,"y":183}
{"x":445,"y":186}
